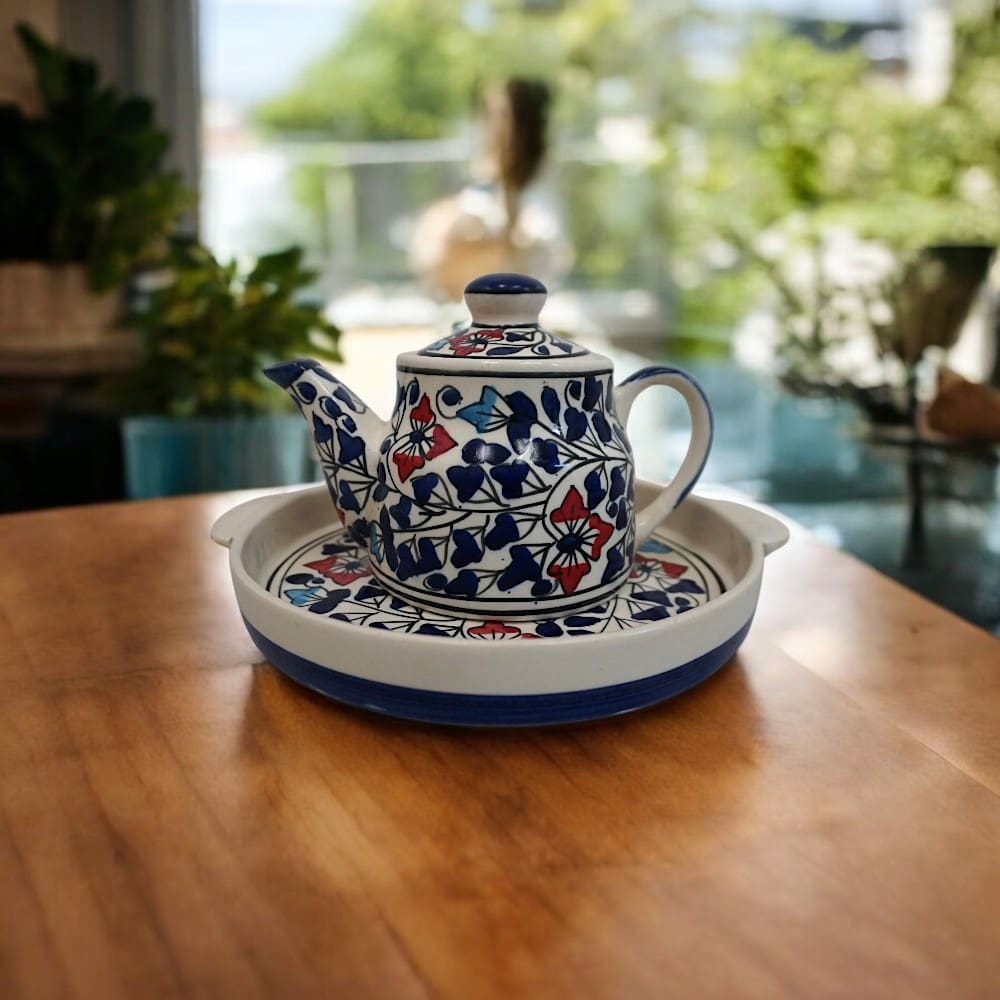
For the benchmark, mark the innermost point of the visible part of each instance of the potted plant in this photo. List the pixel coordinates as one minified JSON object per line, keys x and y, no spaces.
{"x":83,"y":196}
{"x":845,"y":226}
{"x":200,"y":414}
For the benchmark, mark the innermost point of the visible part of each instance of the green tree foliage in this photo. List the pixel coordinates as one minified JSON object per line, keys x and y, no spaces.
{"x":399,"y":70}
{"x":802,"y":138}
{"x":410,"y":70}
{"x":407,"y":69}
{"x":800,"y":132}
{"x":801,"y":129}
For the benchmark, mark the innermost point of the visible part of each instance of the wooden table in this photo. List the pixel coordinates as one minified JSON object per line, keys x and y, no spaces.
{"x":821,"y":819}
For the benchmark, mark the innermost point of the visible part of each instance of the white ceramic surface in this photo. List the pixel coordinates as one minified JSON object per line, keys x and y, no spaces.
{"x":503,"y":483}
{"x":727,"y":536}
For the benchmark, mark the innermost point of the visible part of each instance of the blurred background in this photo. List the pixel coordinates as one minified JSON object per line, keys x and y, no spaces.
{"x":797,"y":200}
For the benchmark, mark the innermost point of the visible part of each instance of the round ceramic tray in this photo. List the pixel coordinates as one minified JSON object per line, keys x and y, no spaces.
{"x":315,"y":612}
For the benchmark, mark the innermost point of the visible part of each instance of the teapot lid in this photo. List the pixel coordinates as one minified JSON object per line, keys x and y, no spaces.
{"x":503,"y":333}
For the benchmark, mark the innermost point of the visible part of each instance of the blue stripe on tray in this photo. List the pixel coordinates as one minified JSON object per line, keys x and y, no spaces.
{"x":496,"y":710}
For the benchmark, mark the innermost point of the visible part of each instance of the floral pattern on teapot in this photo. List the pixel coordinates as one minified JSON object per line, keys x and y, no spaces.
{"x":533,"y":502}
{"x":502,"y":484}
{"x":331,"y":576}
{"x":502,"y":342}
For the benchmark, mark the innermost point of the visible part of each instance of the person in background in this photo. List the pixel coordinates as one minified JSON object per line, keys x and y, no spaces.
{"x":965,"y":410}
{"x":487,"y":226}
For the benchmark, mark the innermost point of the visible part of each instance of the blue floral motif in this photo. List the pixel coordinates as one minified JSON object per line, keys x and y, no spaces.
{"x":424,"y":486}
{"x":503,"y":532}
{"x":489,"y":480}
{"x":466,"y":550}
{"x":614,"y":565}
{"x":477,"y":451}
{"x":545,"y":453}
{"x":351,"y":447}
{"x":388,"y":538}
{"x":601,"y":426}
{"x":666,"y":580}
{"x":523,"y":567}
{"x":360,"y":530}
{"x":491,"y":501}
{"x":617,"y":487}
{"x":523,"y":415}
{"x":347,"y":499}
{"x":512,"y":343}
{"x":322,"y":431}
{"x":515,"y":411}
{"x":594,"y":485}
{"x":576,"y":424}
{"x":345,"y":395}
{"x":424,"y":560}
{"x":401,"y":512}
{"x":466,"y":480}
{"x":464,"y":585}
{"x":302,"y":597}
{"x":511,"y":479}
{"x":328,"y":602}
{"x":550,"y":403}
{"x":485,"y":414}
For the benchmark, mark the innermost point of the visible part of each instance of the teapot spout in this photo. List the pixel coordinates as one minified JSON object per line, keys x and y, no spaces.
{"x":346,"y":437}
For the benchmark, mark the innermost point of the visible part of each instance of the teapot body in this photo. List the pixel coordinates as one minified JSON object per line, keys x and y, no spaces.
{"x":498,"y":494}
{"x":502,"y":486}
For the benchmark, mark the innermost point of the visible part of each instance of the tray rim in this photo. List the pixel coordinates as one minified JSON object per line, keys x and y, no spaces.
{"x":765,"y":534}
{"x":477,"y":667}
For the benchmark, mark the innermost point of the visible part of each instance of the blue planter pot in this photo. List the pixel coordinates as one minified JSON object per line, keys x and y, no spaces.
{"x":166,"y":456}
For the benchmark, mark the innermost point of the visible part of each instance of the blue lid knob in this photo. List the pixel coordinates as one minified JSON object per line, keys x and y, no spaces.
{"x":505,"y":299}
{"x":505,"y":284}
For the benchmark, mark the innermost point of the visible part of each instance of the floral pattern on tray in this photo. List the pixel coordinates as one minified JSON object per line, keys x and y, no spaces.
{"x":331,"y":576}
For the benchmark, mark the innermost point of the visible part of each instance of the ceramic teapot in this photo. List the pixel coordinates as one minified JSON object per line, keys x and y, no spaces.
{"x":502,"y":484}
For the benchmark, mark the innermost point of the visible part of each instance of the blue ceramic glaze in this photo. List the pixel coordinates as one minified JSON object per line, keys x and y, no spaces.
{"x":497,"y":710}
{"x":505,"y":284}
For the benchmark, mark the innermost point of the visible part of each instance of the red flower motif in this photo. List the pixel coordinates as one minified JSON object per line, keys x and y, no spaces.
{"x":583,"y":536}
{"x":422,"y":412}
{"x":473,"y":341}
{"x":572,"y":508}
{"x":569,"y":576}
{"x":671,"y":569}
{"x":493,"y":630}
{"x":342,"y":569}
{"x":427,"y":439}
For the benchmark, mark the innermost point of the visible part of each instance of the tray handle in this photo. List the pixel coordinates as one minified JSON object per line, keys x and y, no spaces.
{"x":235,"y":520}
{"x":768,"y":531}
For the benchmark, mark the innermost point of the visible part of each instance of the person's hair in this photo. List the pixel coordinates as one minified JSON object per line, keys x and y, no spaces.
{"x":529,"y":116}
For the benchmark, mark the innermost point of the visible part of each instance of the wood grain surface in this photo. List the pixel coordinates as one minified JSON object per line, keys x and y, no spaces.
{"x":821,"y":819}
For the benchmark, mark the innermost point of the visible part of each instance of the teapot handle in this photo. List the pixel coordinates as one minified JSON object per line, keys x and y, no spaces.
{"x":647,"y":519}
